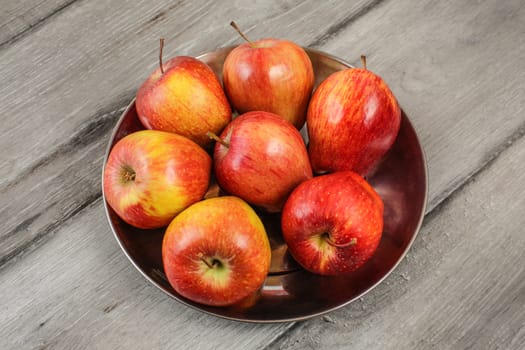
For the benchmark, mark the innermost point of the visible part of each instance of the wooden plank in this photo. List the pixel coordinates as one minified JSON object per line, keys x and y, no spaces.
{"x":81,"y":292}
{"x":37,"y":204}
{"x":19,"y":17}
{"x":82,"y":93}
{"x":478,"y":135}
{"x":462,"y":286}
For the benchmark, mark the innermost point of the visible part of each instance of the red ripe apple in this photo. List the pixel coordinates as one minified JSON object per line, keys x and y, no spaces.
{"x":333,"y":223}
{"x":184,"y":96}
{"x":270,"y":75}
{"x":261,"y":158}
{"x":216,"y":252}
{"x":353,"y":120}
{"x":151,"y":176}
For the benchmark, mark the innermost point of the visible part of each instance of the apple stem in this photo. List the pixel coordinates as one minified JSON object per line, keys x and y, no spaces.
{"x":218,"y":139}
{"x":363,"y":61}
{"x":236,"y":27}
{"x":214,"y":263}
{"x":160,"y":55}
{"x":329,"y":240}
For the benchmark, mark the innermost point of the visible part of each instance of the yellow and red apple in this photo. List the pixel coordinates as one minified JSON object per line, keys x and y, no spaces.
{"x":216,"y":252}
{"x":184,"y":96}
{"x":150,"y":176}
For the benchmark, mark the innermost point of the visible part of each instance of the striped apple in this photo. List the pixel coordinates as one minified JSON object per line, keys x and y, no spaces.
{"x":353,"y":119}
{"x":261,"y":158}
{"x":333,"y":223}
{"x":271,"y":75}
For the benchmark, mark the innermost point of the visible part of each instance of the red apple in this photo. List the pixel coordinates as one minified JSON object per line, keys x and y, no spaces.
{"x":270,"y":75}
{"x":216,"y":252}
{"x":151,"y":176}
{"x":333,"y":223}
{"x":184,"y":96}
{"x":353,"y":120}
{"x":261,"y":158}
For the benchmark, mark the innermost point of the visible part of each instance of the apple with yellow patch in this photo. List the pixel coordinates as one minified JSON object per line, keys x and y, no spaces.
{"x":183,"y":96}
{"x":216,"y":252}
{"x":151,"y":176}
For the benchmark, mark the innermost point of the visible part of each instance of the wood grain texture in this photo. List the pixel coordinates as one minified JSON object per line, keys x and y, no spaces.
{"x":456,"y":68}
{"x":75,"y":97}
{"x":81,"y":292}
{"x":462,"y":286}
{"x":17,"y":18}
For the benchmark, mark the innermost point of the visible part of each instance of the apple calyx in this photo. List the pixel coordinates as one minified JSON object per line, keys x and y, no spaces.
{"x":328,"y":239}
{"x":363,"y":61}
{"x":160,"y":55}
{"x":128,"y":174}
{"x":213,"y":136}
{"x":236,"y":27}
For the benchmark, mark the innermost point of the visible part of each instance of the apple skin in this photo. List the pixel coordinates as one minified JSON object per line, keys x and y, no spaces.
{"x":170,"y":173}
{"x":216,"y":252}
{"x":333,"y":223}
{"x":266,"y":159}
{"x":353,"y":119}
{"x":187,"y":99}
{"x":270,"y":75}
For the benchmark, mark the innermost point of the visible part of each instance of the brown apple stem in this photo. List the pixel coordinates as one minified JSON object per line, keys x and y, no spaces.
{"x":236,"y":27}
{"x":218,"y":139}
{"x":211,"y":265}
{"x":329,"y":240}
{"x":160,"y":55}
{"x":363,"y":61}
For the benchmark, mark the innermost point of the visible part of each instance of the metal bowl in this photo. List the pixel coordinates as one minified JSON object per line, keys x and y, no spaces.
{"x":289,"y":292}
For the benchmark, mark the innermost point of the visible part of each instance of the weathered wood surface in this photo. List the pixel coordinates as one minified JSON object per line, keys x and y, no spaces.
{"x":80,"y":290}
{"x":75,"y":99}
{"x":456,"y":67}
{"x":18,"y":18}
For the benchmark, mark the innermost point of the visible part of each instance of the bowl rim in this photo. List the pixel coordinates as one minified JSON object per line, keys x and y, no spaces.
{"x":280,"y":320}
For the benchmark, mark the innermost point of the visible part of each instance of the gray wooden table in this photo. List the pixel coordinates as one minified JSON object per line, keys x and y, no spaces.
{"x":68,"y":68}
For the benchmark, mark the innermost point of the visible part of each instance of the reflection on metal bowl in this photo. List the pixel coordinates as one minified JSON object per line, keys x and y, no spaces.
{"x":290,"y":293}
